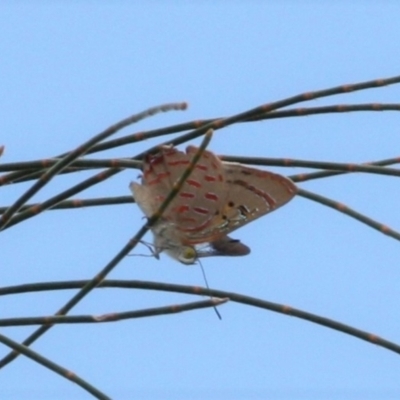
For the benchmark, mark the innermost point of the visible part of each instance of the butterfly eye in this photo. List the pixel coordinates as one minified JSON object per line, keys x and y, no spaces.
{"x":188,"y":255}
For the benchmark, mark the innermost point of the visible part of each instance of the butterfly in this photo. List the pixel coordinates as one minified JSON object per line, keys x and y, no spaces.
{"x":217,"y":198}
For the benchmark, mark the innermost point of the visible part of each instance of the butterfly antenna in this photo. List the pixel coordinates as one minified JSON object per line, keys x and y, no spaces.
{"x":208,"y":287}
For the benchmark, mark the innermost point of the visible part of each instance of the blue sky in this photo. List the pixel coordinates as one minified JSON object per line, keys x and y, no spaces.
{"x":70,"y":70}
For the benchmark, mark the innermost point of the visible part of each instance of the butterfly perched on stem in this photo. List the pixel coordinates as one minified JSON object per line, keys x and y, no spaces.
{"x":217,"y":198}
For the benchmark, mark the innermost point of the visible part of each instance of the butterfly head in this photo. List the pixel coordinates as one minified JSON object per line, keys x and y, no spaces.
{"x":185,"y":254}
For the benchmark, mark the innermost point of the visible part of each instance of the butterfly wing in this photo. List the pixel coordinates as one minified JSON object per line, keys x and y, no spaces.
{"x":144,"y":199}
{"x":226,"y":246}
{"x":199,"y":199}
{"x":253,"y":193}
